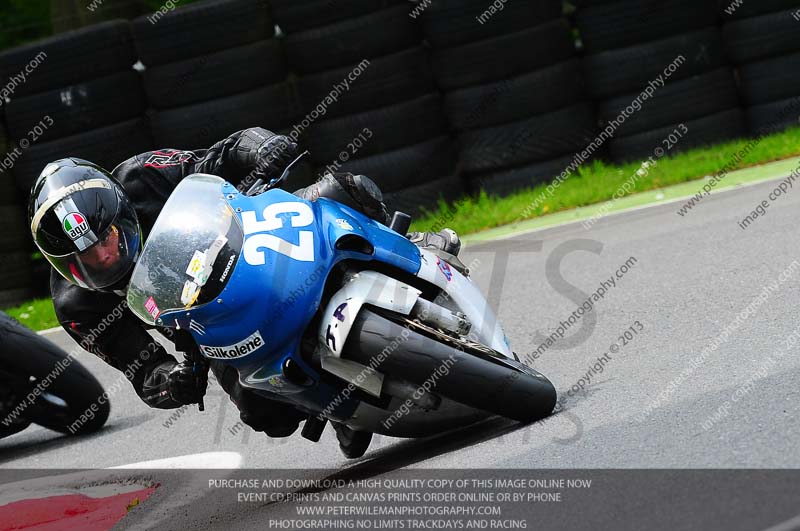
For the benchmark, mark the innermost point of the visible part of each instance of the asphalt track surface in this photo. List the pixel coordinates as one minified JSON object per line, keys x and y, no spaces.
{"x":692,"y":277}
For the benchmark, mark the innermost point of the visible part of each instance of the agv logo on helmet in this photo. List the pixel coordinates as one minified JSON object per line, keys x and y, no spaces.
{"x":75,"y":225}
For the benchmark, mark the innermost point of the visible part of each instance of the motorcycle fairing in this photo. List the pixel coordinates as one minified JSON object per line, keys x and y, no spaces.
{"x":289,"y":248}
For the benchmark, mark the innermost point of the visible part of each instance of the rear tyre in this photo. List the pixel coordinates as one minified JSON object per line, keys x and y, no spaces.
{"x":471,"y":374}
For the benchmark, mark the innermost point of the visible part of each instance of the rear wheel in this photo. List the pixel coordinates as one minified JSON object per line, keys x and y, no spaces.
{"x":453,"y":367}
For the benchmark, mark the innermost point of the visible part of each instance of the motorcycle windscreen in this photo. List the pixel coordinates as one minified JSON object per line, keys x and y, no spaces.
{"x":190,"y":254}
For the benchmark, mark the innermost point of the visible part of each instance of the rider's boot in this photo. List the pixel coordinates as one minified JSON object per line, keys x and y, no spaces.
{"x":356,"y":191}
{"x":275,"y":419}
{"x":361,"y":193}
{"x":352,"y":443}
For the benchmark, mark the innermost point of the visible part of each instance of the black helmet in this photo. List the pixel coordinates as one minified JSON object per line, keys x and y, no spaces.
{"x":84,"y":224}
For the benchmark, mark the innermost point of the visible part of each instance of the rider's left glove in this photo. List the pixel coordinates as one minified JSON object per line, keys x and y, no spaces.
{"x":187,"y":383}
{"x":273,"y":156}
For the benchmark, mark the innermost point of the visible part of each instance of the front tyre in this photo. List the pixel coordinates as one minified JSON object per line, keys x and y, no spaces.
{"x":73,"y":405}
{"x":70,"y":396}
{"x":466,"y":372}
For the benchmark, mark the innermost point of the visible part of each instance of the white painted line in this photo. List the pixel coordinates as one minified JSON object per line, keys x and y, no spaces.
{"x":49,"y":331}
{"x":788,"y":525}
{"x":523,"y":231}
{"x":208,"y":460}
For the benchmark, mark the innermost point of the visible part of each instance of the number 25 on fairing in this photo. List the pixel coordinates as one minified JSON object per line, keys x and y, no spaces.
{"x":255,"y":239}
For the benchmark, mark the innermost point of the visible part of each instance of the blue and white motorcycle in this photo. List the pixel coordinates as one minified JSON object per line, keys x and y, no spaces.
{"x":321,"y":307}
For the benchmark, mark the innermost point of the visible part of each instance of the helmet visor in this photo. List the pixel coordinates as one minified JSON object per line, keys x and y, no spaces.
{"x":109,"y":259}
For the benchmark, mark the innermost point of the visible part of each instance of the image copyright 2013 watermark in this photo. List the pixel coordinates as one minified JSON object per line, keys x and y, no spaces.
{"x":33,"y":135}
{"x":337,"y":90}
{"x":605,"y":135}
{"x":781,"y":190}
{"x":15,"y":81}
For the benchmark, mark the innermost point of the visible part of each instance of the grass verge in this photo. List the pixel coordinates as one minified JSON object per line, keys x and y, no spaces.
{"x":37,"y":314}
{"x":598,"y":181}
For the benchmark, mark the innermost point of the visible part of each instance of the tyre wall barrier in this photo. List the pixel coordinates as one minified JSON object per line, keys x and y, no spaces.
{"x":762,"y":42}
{"x":15,"y":255}
{"x":514,"y":90}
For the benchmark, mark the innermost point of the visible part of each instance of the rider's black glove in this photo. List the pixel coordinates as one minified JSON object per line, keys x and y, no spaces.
{"x":273,"y":156}
{"x":187,"y":382}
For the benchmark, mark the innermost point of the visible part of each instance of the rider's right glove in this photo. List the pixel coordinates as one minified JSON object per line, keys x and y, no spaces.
{"x":187,"y":383}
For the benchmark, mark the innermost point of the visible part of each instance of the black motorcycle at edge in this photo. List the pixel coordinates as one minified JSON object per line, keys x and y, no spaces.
{"x":42,"y":384}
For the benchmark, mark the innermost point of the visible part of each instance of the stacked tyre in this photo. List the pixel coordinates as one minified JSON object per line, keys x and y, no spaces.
{"x":82,"y":98}
{"x":15,"y":283}
{"x":384,"y":118}
{"x":674,"y":48}
{"x":211,"y":69}
{"x":513,"y":90}
{"x":761,"y":39}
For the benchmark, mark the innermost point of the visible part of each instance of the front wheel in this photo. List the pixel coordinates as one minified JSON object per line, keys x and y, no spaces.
{"x":70,"y":401}
{"x":460,"y":370}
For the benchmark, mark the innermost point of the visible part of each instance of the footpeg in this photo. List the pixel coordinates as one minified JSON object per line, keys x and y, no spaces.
{"x":400,"y":222}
